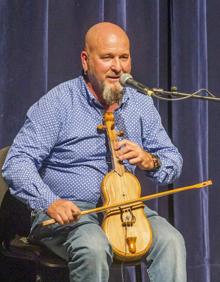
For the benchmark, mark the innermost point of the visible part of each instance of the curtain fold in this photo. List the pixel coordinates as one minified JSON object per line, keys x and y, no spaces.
{"x":23,"y":45}
{"x":173,"y":43}
{"x":190,"y":130}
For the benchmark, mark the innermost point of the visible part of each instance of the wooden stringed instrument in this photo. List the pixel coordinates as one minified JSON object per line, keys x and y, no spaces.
{"x":125,"y":223}
{"x":127,"y":227}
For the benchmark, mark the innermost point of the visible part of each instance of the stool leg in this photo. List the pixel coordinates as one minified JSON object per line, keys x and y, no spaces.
{"x":138,"y":273}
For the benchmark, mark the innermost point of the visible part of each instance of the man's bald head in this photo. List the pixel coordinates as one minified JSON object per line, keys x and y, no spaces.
{"x":100,"y":31}
{"x":105,"y":57}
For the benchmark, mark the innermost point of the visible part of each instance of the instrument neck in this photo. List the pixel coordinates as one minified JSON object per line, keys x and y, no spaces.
{"x":117,"y":165}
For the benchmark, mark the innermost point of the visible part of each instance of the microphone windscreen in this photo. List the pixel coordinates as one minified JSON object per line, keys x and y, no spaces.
{"x":124,"y":77}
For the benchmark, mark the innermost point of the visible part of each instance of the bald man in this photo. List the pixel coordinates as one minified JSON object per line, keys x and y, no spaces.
{"x":58,"y":160}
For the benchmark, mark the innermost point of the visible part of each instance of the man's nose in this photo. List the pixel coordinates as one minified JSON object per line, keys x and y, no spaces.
{"x":116,"y":65}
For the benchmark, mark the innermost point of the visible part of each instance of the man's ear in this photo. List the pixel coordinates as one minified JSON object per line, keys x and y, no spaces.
{"x":84,"y":60}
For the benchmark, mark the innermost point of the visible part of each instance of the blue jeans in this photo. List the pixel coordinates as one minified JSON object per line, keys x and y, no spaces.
{"x":84,"y":245}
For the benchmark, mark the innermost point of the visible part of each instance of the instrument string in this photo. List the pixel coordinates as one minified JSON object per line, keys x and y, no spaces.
{"x":127,"y":214}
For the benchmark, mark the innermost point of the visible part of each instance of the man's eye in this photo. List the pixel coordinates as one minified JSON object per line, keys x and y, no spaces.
{"x":106,"y":58}
{"x":124,"y":58}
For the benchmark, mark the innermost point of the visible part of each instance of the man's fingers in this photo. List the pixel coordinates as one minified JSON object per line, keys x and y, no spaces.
{"x":124,"y":142}
{"x":76,"y":212}
{"x":64,"y":211}
{"x":128,"y":155}
{"x":135,"y":161}
{"x":58,"y":219}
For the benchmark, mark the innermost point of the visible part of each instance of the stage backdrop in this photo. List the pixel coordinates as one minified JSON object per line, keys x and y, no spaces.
{"x":174,"y":43}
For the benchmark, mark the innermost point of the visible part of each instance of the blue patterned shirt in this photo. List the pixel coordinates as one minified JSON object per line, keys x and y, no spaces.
{"x":59,"y":153}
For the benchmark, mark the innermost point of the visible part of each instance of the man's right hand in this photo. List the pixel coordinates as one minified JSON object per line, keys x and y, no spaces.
{"x":64,"y":211}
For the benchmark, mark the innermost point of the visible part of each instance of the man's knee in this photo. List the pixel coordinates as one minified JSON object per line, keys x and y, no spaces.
{"x":175,"y":240}
{"x":93,"y":252}
{"x":166,"y":236}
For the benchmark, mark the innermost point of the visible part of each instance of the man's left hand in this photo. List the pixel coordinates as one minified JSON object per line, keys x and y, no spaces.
{"x":128,"y":150}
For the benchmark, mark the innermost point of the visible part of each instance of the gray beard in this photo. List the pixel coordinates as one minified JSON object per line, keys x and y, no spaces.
{"x":112,"y":95}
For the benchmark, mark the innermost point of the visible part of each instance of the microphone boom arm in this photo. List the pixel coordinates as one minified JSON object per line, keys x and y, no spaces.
{"x":126,"y":79}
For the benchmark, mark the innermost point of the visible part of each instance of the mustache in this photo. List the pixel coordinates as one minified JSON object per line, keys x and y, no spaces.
{"x":113,"y":76}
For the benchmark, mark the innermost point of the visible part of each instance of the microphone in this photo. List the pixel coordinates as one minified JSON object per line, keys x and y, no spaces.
{"x":126,"y":79}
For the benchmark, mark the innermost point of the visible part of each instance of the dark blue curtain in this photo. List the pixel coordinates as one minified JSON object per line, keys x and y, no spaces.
{"x":174,"y":43}
{"x":189,"y":72}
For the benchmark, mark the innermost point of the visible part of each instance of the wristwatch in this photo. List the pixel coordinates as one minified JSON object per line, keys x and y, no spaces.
{"x":156,"y":161}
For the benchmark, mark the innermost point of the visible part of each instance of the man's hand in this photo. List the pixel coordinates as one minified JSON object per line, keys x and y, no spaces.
{"x":127,"y":150}
{"x":63,"y":211}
